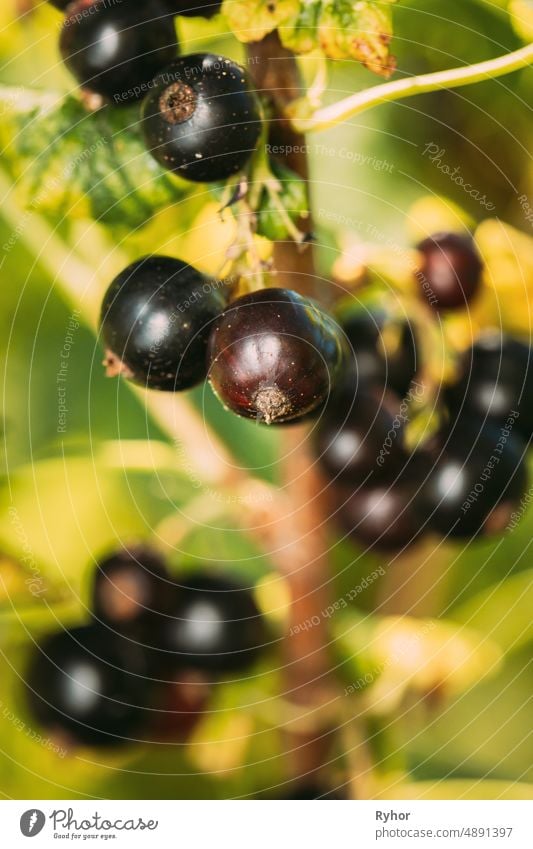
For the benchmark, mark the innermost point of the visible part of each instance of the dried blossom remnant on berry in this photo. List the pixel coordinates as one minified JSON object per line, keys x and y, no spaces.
{"x":178,"y":103}
{"x":272,"y":404}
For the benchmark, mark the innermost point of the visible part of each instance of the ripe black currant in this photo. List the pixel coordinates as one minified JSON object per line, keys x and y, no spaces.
{"x":353,"y":446}
{"x":371,"y":361}
{"x":194,"y":8}
{"x":382,"y":514}
{"x":201,"y":119}
{"x":116,"y":49}
{"x":477,"y":476}
{"x":496,"y":379}
{"x":214,"y":625}
{"x":130,"y":587}
{"x":450,"y":270}
{"x":155,"y":319}
{"x":84,"y":684}
{"x":274,"y":356}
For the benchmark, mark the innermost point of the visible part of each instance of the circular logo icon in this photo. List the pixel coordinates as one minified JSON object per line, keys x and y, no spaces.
{"x":32,"y":822}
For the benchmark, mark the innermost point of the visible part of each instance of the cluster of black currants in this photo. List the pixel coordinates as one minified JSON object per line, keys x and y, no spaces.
{"x":199,"y":118}
{"x":467,"y":478}
{"x":271,"y":355}
{"x":145,"y":663}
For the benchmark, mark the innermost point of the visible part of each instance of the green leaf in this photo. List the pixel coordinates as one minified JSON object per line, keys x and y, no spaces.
{"x":389,"y":654}
{"x":358,"y":30}
{"x":61,"y":514}
{"x":251,"y":20}
{"x":300,"y":34}
{"x":278,"y":208}
{"x":503,"y":611}
{"x":68,"y":161}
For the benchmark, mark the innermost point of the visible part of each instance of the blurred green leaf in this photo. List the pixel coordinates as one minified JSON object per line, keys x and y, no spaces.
{"x":278,"y":208}
{"x":361,"y":31}
{"x":251,"y":20}
{"x":62,"y":514}
{"x":68,"y":161}
{"x":503,"y":611}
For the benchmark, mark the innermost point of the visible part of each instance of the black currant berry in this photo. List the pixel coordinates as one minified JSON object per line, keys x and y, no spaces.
{"x":156,"y":317}
{"x":274,"y":356}
{"x":382,"y":515}
{"x":194,"y":8}
{"x":214,"y":625}
{"x":354,"y":446}
{"x":450,"y":270}
{"x":478,"y":475}
{"x":201,"y":119}
{"x":115,"y":49}
{"x":130,"y":587}
{"x":60,"y":4}
{"x":91,"y":687}
{"x":496,"y":379}
{"x":374,"y":362}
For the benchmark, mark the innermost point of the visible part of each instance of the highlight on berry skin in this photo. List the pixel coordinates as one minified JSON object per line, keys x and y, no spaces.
{"x":201,"y":118}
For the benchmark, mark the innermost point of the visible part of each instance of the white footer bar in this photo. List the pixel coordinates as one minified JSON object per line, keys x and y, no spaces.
{"x":269,"y":824}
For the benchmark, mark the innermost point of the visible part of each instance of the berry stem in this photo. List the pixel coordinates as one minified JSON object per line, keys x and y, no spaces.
{"x":299,"y":542}
{"x":347,"y":108}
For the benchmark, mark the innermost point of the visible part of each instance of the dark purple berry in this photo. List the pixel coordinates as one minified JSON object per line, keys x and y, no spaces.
{"x":450,"y":270}
{"x":156,"y":318}
{"x":130,"y":587}
{"x":115,"y":49}
{"x":495,"y":380}
{"x":382,"y":514}
{"x":371,"y":362}
{"x":274,"y":356}
{"x":213,"y":625}
{"x":201,"y":119}
{"x":477,"y":476}
{"x":358,"y":444}
{"x":92,"y":688}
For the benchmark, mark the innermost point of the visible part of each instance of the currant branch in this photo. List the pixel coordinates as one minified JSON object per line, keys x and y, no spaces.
{"x":347,"y":108}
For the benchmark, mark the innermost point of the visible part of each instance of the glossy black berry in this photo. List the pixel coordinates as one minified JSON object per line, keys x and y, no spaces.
{"x":354,"y":445}
{"x":115,"y":49}
{"x":274,"y":356}
{"x":374,"y":360}
{"x":155,"y":320}
{"x":131,"y":587}
{"x":477,"y":476}
{"x":495,"y":379}
{"x":382,"y":514}
{"x":214,"y":625}
{"x":201,"y":119}
{"x":194,"y":8}
{"x":450,"y":270}
{"x":92,"y":688}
